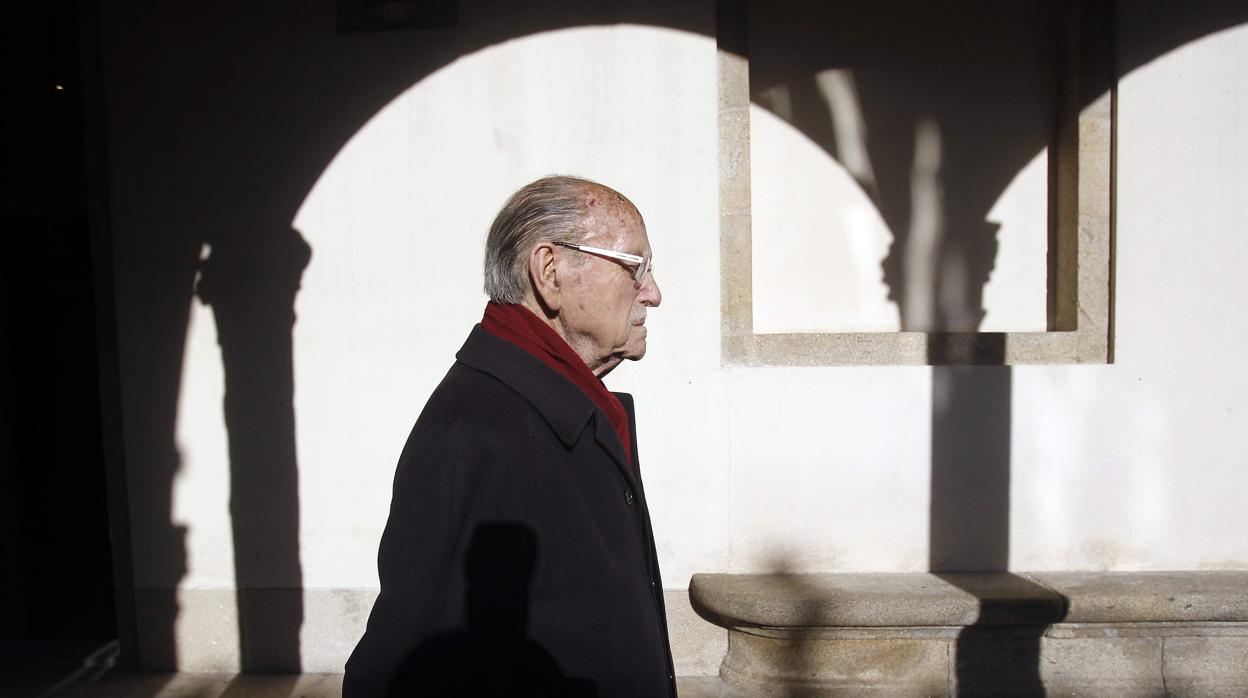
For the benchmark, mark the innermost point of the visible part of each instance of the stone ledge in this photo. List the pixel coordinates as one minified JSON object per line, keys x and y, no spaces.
{"x":1131,"y":597}
{"x":863,"y":600}
{"x":1070,"y":633}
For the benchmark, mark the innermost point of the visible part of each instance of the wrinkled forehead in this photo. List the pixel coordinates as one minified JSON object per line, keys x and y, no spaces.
{"x":611,"y":218}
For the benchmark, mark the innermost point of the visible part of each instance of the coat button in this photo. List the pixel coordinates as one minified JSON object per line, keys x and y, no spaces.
{"x":628,"y":496}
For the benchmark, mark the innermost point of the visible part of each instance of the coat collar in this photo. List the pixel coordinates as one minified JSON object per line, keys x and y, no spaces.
{"x":564,"y":406}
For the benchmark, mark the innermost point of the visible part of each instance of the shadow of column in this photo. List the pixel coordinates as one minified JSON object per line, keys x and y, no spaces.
{"x":251,"y":282}
{"x":970,"y":485}
{"x":969,"y":528}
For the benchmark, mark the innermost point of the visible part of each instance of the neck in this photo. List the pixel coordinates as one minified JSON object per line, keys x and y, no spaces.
{"x":596,"y":365}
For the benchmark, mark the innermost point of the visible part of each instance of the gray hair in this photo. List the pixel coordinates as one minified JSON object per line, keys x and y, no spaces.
{"x":552,"y":209}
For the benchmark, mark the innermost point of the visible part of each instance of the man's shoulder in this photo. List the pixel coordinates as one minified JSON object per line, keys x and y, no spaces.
{"x":493,"y":378}
{"x":470,"y":412}
{"x":492,"y":382}
{"x":466,"y":392}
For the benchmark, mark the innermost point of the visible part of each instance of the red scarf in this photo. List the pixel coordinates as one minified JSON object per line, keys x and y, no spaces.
{"x":518,"y":325}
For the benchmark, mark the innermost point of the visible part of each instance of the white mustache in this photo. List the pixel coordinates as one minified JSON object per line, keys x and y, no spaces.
{"x":637,"y":316}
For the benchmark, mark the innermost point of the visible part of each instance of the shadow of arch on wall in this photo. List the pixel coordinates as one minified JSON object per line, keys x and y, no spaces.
{"x":1079,"y":265}
{"x":989,"y":147}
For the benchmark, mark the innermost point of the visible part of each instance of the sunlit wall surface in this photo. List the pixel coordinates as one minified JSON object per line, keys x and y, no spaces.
{"x":1157,"y":434}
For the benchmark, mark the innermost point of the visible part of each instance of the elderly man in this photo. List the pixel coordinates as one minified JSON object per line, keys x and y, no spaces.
{"x":518,"y":558}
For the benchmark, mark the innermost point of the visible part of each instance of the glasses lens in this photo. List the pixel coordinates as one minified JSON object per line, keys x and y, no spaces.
{"x":642,"y":270}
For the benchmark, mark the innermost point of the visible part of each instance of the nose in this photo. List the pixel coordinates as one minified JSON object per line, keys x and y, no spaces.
{"x":650,"y":294}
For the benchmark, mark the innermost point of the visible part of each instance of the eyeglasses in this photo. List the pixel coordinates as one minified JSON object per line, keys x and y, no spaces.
{"x":644,"y":265}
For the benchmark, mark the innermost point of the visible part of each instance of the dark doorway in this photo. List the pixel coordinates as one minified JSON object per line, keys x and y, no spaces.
{"x":55,"y":557}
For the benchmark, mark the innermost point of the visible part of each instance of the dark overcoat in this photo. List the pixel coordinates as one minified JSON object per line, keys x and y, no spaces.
{"x":518,"y":558}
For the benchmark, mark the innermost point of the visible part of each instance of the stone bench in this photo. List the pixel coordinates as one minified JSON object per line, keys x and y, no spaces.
{"x":1067,"y":633}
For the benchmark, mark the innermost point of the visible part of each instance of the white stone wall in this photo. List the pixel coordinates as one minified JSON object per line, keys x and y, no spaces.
{"x":1135,"y":465}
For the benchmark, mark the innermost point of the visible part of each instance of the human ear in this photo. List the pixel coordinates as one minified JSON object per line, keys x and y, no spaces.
{"x":544,"y":276}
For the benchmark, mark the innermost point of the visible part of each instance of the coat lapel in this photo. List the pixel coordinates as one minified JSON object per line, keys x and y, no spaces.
{"x":563,"y":405}
{"x":609,"y":441}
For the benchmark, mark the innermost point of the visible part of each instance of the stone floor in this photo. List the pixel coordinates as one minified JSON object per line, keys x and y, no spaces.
{"x":111,"y":684}
{"x":73,"y":669}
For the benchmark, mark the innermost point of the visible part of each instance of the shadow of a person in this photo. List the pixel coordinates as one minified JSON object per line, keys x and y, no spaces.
{"x":492,"y":655}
